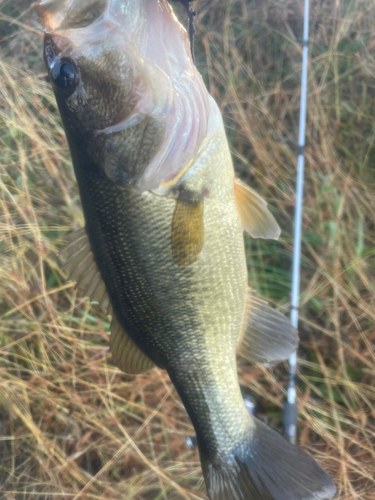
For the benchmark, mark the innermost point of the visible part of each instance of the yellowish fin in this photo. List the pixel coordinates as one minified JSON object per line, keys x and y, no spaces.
{"x":268,"y":336}
{"x":256,"y":219}
{"x":125,"y":353}
{"x":187,"y":229}
{"x":80,"y":266}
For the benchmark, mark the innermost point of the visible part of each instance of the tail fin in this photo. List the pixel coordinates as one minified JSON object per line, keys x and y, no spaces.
{"x":266,"y":467}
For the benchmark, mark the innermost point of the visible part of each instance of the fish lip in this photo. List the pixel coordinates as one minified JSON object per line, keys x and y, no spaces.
{"x":66,"y":14}
{"x":51,"y":20}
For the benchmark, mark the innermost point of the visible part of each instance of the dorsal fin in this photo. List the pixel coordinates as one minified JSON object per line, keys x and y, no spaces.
{"x":80,"y":266}
{"x":125,"y":353}
{"x":268,"y":337}
{"x":256,"y":219}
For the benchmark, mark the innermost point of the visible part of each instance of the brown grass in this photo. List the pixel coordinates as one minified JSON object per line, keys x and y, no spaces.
{"x":73,"y":426}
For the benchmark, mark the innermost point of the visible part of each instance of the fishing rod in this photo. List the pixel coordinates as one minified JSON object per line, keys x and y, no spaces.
{"x":191,"y":28}
{"x":290,"y":416}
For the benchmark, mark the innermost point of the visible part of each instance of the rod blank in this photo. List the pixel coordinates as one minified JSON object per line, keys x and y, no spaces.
{"x":290,"y":408}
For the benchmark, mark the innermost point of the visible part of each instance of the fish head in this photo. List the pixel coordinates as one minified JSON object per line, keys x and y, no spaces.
{"x":126,"y":86}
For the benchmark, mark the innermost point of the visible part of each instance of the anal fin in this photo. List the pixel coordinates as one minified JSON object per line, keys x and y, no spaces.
{"x":268,"y":337}
{"x":256,"y":219}
{"x":125,"y":353}
{"x":79,"y":264}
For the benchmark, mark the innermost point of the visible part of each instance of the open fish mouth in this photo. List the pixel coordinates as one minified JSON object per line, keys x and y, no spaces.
{"x":166,"y":86}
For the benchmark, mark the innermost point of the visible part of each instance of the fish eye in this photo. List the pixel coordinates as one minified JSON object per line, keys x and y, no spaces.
{"x":65,"y":75}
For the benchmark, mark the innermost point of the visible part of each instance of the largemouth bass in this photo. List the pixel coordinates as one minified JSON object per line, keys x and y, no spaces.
{"x":162,"y":249}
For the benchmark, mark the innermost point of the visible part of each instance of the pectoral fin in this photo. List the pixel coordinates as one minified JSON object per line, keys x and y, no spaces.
{"x":125,"y":353}
{"x":268,"y":337}
{"x":187,"y":230}
{"x":80,"y":266}
{"x":256,"y":219}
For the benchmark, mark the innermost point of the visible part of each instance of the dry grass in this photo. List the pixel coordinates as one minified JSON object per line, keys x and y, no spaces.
{"x":71,"y":425}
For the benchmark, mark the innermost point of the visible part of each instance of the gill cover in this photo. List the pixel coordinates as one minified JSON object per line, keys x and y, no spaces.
{"x":162,"y":88}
